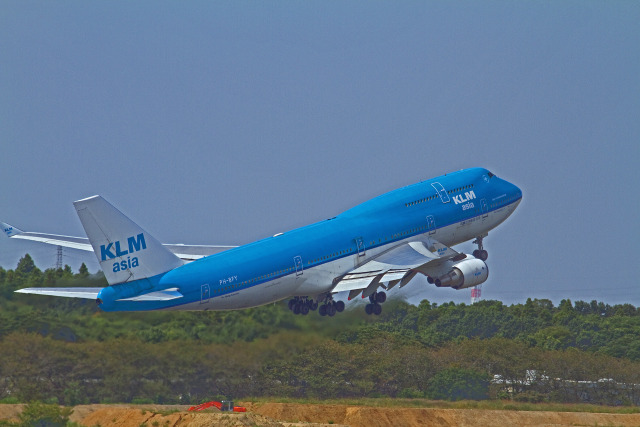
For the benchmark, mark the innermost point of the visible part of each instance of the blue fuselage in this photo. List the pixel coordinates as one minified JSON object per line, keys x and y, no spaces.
{"x":304,"y":262}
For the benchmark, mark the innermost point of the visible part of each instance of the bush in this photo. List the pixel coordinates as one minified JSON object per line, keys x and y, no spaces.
{"x":38,"y":414}
{"x":459,"y":384}
{"x":529,"y":396}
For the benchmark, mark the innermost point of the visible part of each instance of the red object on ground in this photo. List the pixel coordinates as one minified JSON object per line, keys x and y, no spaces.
{"x":218,"y":405}
{"x":206,"y":405}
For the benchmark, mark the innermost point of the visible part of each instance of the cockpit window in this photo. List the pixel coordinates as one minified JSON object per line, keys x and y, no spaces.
{"x":490,"y":174}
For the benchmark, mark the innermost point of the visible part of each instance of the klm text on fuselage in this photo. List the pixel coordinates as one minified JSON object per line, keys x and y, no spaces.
{"x":464,"y":198}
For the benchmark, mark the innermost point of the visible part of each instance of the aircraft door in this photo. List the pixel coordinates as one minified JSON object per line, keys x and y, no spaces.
{"x":485,"y":208}
{"x":297,"y":261}
{"x":441,"y":192}
{"x":431,"y":224}
{"x":205,"y":294}
{"x":360,"y":246}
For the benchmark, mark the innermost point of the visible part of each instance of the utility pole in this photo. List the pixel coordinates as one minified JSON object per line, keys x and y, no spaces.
{"x":59,"y":258}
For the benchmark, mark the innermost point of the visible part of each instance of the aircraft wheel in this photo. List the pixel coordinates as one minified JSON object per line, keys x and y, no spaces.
{"x":331,"y":310}
{"x":339,"y":306}
{"x":381,"y":297}
{"x":304,"y":310}
{"x":368,"y":308}
{"x":481,"y":254}
{"x":377,"y":309}
{"x":313,"y":305}
{"x":291,"y":303}
{"x":372,"y":298}
{"x":322,"y":310}
{"x":296,"y":308}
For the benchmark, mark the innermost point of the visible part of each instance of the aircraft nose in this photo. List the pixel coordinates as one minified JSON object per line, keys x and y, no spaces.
{"x":517,"y":191}
{"x":515,"y":194}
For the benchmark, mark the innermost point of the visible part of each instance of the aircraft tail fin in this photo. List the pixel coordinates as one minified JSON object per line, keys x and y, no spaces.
{"x":124,"y":250}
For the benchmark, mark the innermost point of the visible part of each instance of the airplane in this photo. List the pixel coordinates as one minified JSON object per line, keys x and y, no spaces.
{"x":367,"y":251}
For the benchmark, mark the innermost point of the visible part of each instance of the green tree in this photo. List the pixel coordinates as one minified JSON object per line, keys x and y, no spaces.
{"x":458,"y":384}
{"x":83,"y":271}
{"x":26,"y":264}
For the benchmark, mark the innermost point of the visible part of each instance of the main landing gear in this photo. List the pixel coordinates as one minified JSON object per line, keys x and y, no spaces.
{"x":331,"y":307}
{"x":302,"y":305}
{"x":374,"y":306}
{"x":480,"y":253}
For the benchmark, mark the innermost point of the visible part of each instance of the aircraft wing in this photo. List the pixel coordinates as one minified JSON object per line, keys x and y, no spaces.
{"x":397,"y":265}
{"x":185,"y":252}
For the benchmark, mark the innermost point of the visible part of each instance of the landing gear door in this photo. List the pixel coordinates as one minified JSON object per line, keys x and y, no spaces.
{"x":205,"y":294}
{"x":485,"y":208}
{"x":297,"y":262}
{"x":444,"y":197}
{"x":431,"y":224}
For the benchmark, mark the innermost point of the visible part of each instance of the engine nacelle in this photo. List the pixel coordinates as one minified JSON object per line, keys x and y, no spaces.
{"x":465,"y":274}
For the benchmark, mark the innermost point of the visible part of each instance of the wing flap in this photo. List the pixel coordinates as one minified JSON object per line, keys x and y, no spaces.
{"x":352,"y":285}
{"x":392,"y":276}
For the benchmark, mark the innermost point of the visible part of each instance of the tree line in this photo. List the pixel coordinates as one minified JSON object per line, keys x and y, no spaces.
{"x":69,"y":352}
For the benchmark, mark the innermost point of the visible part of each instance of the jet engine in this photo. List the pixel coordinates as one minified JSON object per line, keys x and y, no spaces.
{"x":465,"y":274}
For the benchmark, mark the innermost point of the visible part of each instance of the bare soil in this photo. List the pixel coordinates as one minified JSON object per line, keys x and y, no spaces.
{"x":295,"y":414}
{"x":363,"y":416}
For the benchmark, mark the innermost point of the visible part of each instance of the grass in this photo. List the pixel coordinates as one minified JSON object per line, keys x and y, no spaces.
{"x":499,"y":405}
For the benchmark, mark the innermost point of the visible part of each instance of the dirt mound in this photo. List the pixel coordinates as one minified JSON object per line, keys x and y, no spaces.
{"x":10,"y":412}
{"x":362,"y":416}
{"x":80,"y":412}
{"x":290,"y":414}
{"x":121,"y":417}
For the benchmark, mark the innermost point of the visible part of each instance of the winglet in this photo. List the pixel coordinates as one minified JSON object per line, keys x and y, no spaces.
{"x":10,"y":230}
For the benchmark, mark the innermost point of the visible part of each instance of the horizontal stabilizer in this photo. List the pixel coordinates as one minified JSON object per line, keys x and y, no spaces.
{"x":194,"y":252}
{"x":88,"y":293}
{"x":164,"y":295}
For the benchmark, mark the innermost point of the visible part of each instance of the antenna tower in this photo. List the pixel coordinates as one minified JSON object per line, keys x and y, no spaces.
{"x":476,"y":291}
{"x":59,"y":258}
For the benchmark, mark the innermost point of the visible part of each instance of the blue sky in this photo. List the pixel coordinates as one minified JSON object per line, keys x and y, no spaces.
{"x":225,"y":122}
